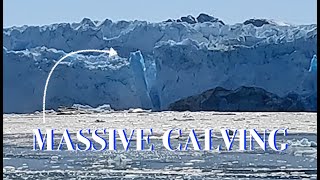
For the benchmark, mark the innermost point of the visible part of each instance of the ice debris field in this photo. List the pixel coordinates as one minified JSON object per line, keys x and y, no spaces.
{"x":297,"y":162}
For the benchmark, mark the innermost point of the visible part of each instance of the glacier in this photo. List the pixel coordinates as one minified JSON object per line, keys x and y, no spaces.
{"x":156,"y":63}
{"x":189,"y":69}
{"x":81,"y":79}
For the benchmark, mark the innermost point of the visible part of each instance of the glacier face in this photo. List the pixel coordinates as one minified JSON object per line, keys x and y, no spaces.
{"x":80,"y":79}
{"x":158,"y":63}
{"x":189,"y":69}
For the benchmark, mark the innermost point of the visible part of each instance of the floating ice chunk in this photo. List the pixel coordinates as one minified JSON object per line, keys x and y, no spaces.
{"x":87,"y":108}
{"x":137,"y":110}
{"x":80,"y":106}
{"x":120,"y":160}
{"x":9,"y":169}
{"x":112,"y":52}
{"x":131,"y":176}
{"x":54,"y":158}
{"x":303,"y":143}
{"x":105,"y":107}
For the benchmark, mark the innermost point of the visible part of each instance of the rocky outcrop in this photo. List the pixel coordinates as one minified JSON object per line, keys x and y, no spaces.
{"x":189,"y":19}
{"x":202,"y":18}
{"x":206,"y":18}
{"x":257,"y":22}
{"x":242,"y":99}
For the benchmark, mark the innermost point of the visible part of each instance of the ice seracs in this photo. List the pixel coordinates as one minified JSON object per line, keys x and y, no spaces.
{"x":82,"y":79}
{"x":313,"y":64}
{"x":207,"y":18}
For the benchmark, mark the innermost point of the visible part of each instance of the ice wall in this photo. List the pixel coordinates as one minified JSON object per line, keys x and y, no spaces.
{"x":158,"y":63}
{"x":82,"y":79}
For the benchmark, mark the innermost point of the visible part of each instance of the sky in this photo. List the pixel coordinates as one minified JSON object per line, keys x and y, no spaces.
{"x":40,"y":12}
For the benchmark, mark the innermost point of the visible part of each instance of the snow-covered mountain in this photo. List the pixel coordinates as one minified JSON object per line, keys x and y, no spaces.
{"x":157,"y":63}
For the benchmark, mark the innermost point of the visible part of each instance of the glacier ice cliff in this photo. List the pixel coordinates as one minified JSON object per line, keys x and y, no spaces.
{"x":157,"y":63}
{"x":81,"y":79}
{"x":190,"y":69}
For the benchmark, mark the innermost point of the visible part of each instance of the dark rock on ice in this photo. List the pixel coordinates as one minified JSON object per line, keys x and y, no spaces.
{"x":206,"y":18}
{"x":241,"y":99}
{"x":189,"y":19}
{"x":257,"y":22}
